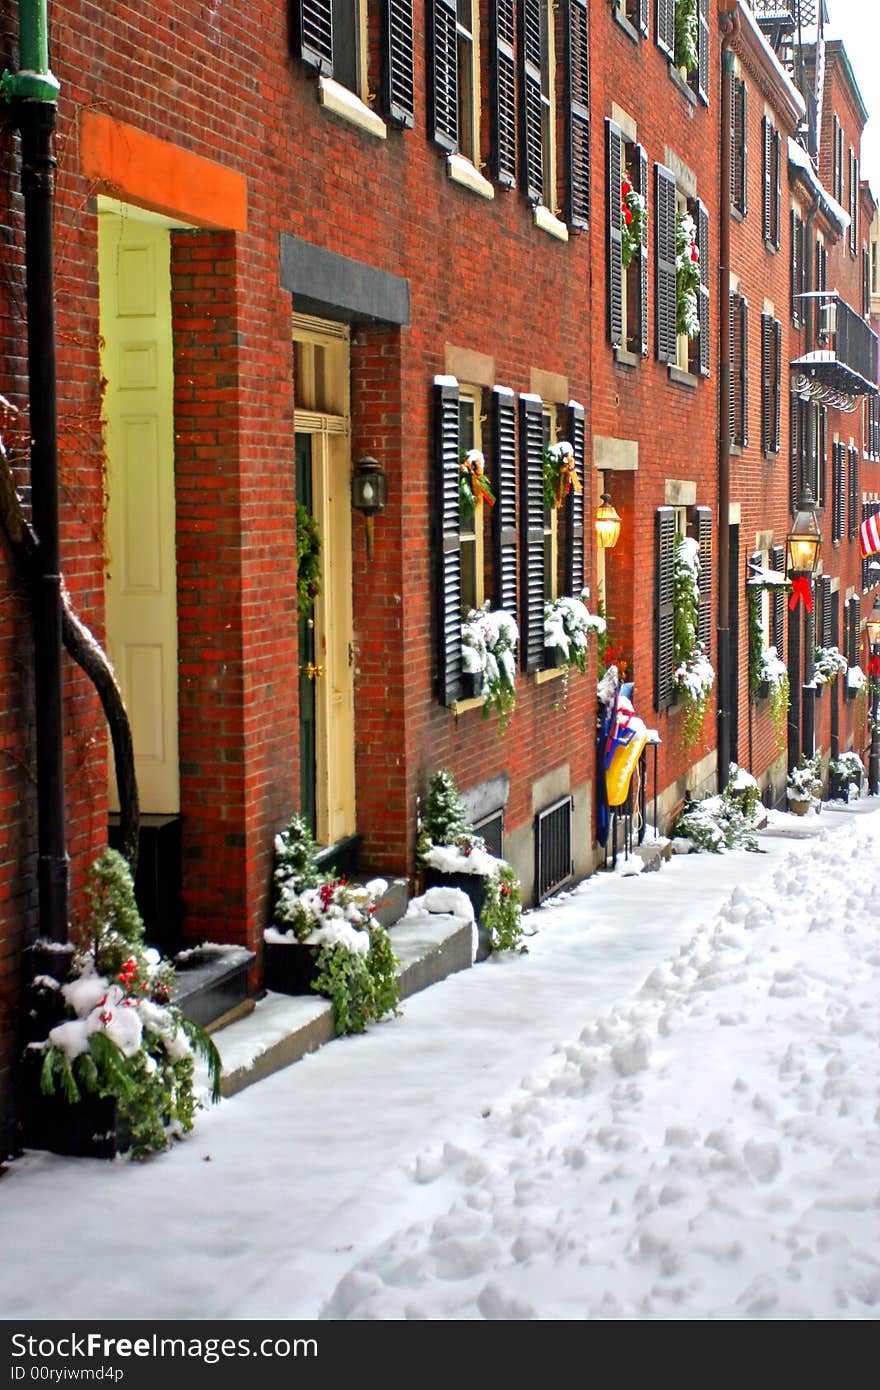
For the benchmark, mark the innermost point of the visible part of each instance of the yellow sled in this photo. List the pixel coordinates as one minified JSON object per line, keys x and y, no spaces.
{"x":618,"y":774}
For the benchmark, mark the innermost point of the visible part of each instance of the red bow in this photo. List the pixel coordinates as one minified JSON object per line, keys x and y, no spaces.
{"x":874,"y":666}
{"x":801,"y":589}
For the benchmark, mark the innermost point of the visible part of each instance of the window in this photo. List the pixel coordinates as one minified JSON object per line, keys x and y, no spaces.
{"x":453,"y":73}
{"x":537,"y":118}
{"x":548,"y":536}
{"x":577,"y":113}
{"x":331,"y":36}
{"x":627,"y":165}
{"x":460,"y":543}
{"x":686,"y":44}
{"x":770,"y":178}
{"x":852,"y":233}
{"x":739,"y":370}
{"x":821,"y":265}
{"x":798,"y":268}
{"x":690,"y":354}
{"x":739,"y":151}
{"x":470,"y":436}
{"x":503,"y":92}
{"x":692,"y":351}
{"x":807,"y":451}
{"x":771,"y":383}
{"x":671,"y":522}
{"x":634,"y":13}
{"x":837,"y":160}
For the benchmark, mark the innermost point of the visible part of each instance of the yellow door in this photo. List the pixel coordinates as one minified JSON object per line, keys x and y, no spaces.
{"x":321,"y":354}
{"x":140,"y":568}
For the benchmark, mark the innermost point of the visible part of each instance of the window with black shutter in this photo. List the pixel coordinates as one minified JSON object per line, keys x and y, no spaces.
{"x":503,"y":91}
{"x":664,"y":616}
{"x":837,"y":504}
{"x":703,"y":346}
{"x":575,"y":539}
{"x":627,"y":168}
{"x":739,"y":148}
{"x":777,"y":610}
{"x":314,"y":33}
{"x":531,"y":456}
{"x":872,"y":429}
{"x":504,"y":473}
{"x":664,"y":253}
{"x":703,"y":537}
{"x":739,"y":370}
{"x":852,"y":233}
{"x":535,"y":125}
{"x":577,"y":113}
{"x":853,"y":508}
{"x":823,"y":596}
{"x":397,"y":66}
{"x":634,"y":14}
{"x":837,"y":160}
{"x":866,"y":282}
{"x":703,"y":73}
{"x":770,"y":182}
{"x":794,"y":449}
{"x":447,"y":540}
{"x":614,"y":231}
{"x":665,"y":26}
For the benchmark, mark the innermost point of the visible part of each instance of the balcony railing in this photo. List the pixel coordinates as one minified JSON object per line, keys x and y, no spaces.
{"x":843,"y":365}
{"x":855,"y":344}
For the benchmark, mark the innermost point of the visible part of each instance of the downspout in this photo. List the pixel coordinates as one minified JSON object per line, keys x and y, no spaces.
{"x":33,"y":94}
{"x":805,"y":734}
{"x":729,"y":23}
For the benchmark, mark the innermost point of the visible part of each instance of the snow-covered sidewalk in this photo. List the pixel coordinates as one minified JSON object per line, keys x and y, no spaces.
{"x":667,"y":1109}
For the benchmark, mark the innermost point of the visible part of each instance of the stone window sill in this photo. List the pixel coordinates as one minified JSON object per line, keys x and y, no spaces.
{"x":341,"y":102}
{"x":550,"y":673}
{"x":624,"y":358}
{"x":680,"y":377}
{"x":548,"y":223}
{"x":462,"y":171}
{"x":679,"y":82}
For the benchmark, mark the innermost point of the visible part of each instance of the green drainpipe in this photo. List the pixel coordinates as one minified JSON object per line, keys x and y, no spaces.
{"x":32,"y":94}
{"x":34,"y":79}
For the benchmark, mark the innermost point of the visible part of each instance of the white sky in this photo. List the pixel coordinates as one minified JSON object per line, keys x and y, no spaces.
{"x":666,"y":1110}
{"x":857,"y":23}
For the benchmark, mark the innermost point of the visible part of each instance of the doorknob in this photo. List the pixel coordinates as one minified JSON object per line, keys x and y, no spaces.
{"x":312,"y":671}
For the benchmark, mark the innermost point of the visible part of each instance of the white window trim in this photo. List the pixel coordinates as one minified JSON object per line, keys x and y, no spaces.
{"x":342,"y":102}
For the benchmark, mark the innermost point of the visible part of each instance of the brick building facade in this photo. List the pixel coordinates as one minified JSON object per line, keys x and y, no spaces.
{"x":288,"y":242}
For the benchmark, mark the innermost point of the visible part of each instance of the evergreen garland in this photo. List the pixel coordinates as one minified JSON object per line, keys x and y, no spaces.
{"x":308,"y":560}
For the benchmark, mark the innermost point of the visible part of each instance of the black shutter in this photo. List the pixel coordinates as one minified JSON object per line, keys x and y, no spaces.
{"x":766,"y":173}
{"x":577,"y":113}
{"x":443,"y":74}
{"x":575,"y":503}
{"x":777,"y":386}
{"x":796,"y":267}
{"x":777,"y":610}
{"x":853,"y":518}
{"x":774,"y":190}
{"x":643,"y":16}
{"x":855,"y":618}
{"x":531,"y":456}
{"x":734,"y":383}
{"x":703,"y":52}
{"x":666,"y":26}
{"x":664,"y":625}
{"x":794,"y":471}
{"x":504,"y":512}
{"x":703,"y":536}
{"x":314,"y":25}
{"x":641,"y":174}
{"x":397,"y":61}
{"x":767,"y":345}
{"x":740,"y":150}
{"x":744,"y":371}
{"x":448,"y":541}
{"x":614,"y":170}
{"x":664,"y":243}
{"x":531,"y":122}
{"x":836,"y":493}
{"x":503,"y":92}
{"x":704,"y":298}
{"x":825,"y":589}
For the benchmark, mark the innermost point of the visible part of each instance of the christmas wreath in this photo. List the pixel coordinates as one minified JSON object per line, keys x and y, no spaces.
{"x":308,"y":560}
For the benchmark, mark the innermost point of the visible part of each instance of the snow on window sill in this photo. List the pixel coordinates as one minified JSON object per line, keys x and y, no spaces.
{"x":341,"y":102}
{"x":550,"y":673}
{"x":462,"y":171}
{"x":548,"y":223}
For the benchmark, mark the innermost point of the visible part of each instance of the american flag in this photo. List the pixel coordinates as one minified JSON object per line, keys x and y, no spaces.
{"x":869,"y":536}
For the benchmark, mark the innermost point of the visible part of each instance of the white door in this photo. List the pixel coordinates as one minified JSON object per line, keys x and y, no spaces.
{"x":140,"y":568}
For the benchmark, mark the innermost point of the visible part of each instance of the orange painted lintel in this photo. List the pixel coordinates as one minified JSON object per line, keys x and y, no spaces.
{"x":152,"y":173}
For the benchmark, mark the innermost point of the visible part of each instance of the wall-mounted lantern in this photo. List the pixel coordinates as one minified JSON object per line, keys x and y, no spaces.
{"x":607,"y":522}
{"x":369,"y":493}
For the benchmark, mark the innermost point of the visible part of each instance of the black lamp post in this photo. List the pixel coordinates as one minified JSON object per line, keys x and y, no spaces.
{"x":873,"y":628}
{"x":802,"y":546}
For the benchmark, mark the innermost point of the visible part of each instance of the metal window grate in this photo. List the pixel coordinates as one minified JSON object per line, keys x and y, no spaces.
{"x":491,"y":828}
{"x":553,"y":862}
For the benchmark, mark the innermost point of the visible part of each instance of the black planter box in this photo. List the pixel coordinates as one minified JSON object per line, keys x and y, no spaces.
{"x":290,"y":968}
{"x":763,"y":690}
{"x":474,"y":885}
{"x":209,"y":984}
{"x":91,"y":1128}
{"x":471,"y":684}
{"x":554,"y":657}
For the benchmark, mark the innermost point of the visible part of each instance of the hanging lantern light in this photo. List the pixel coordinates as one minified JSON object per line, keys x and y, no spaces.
{"x":607,"y":523}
